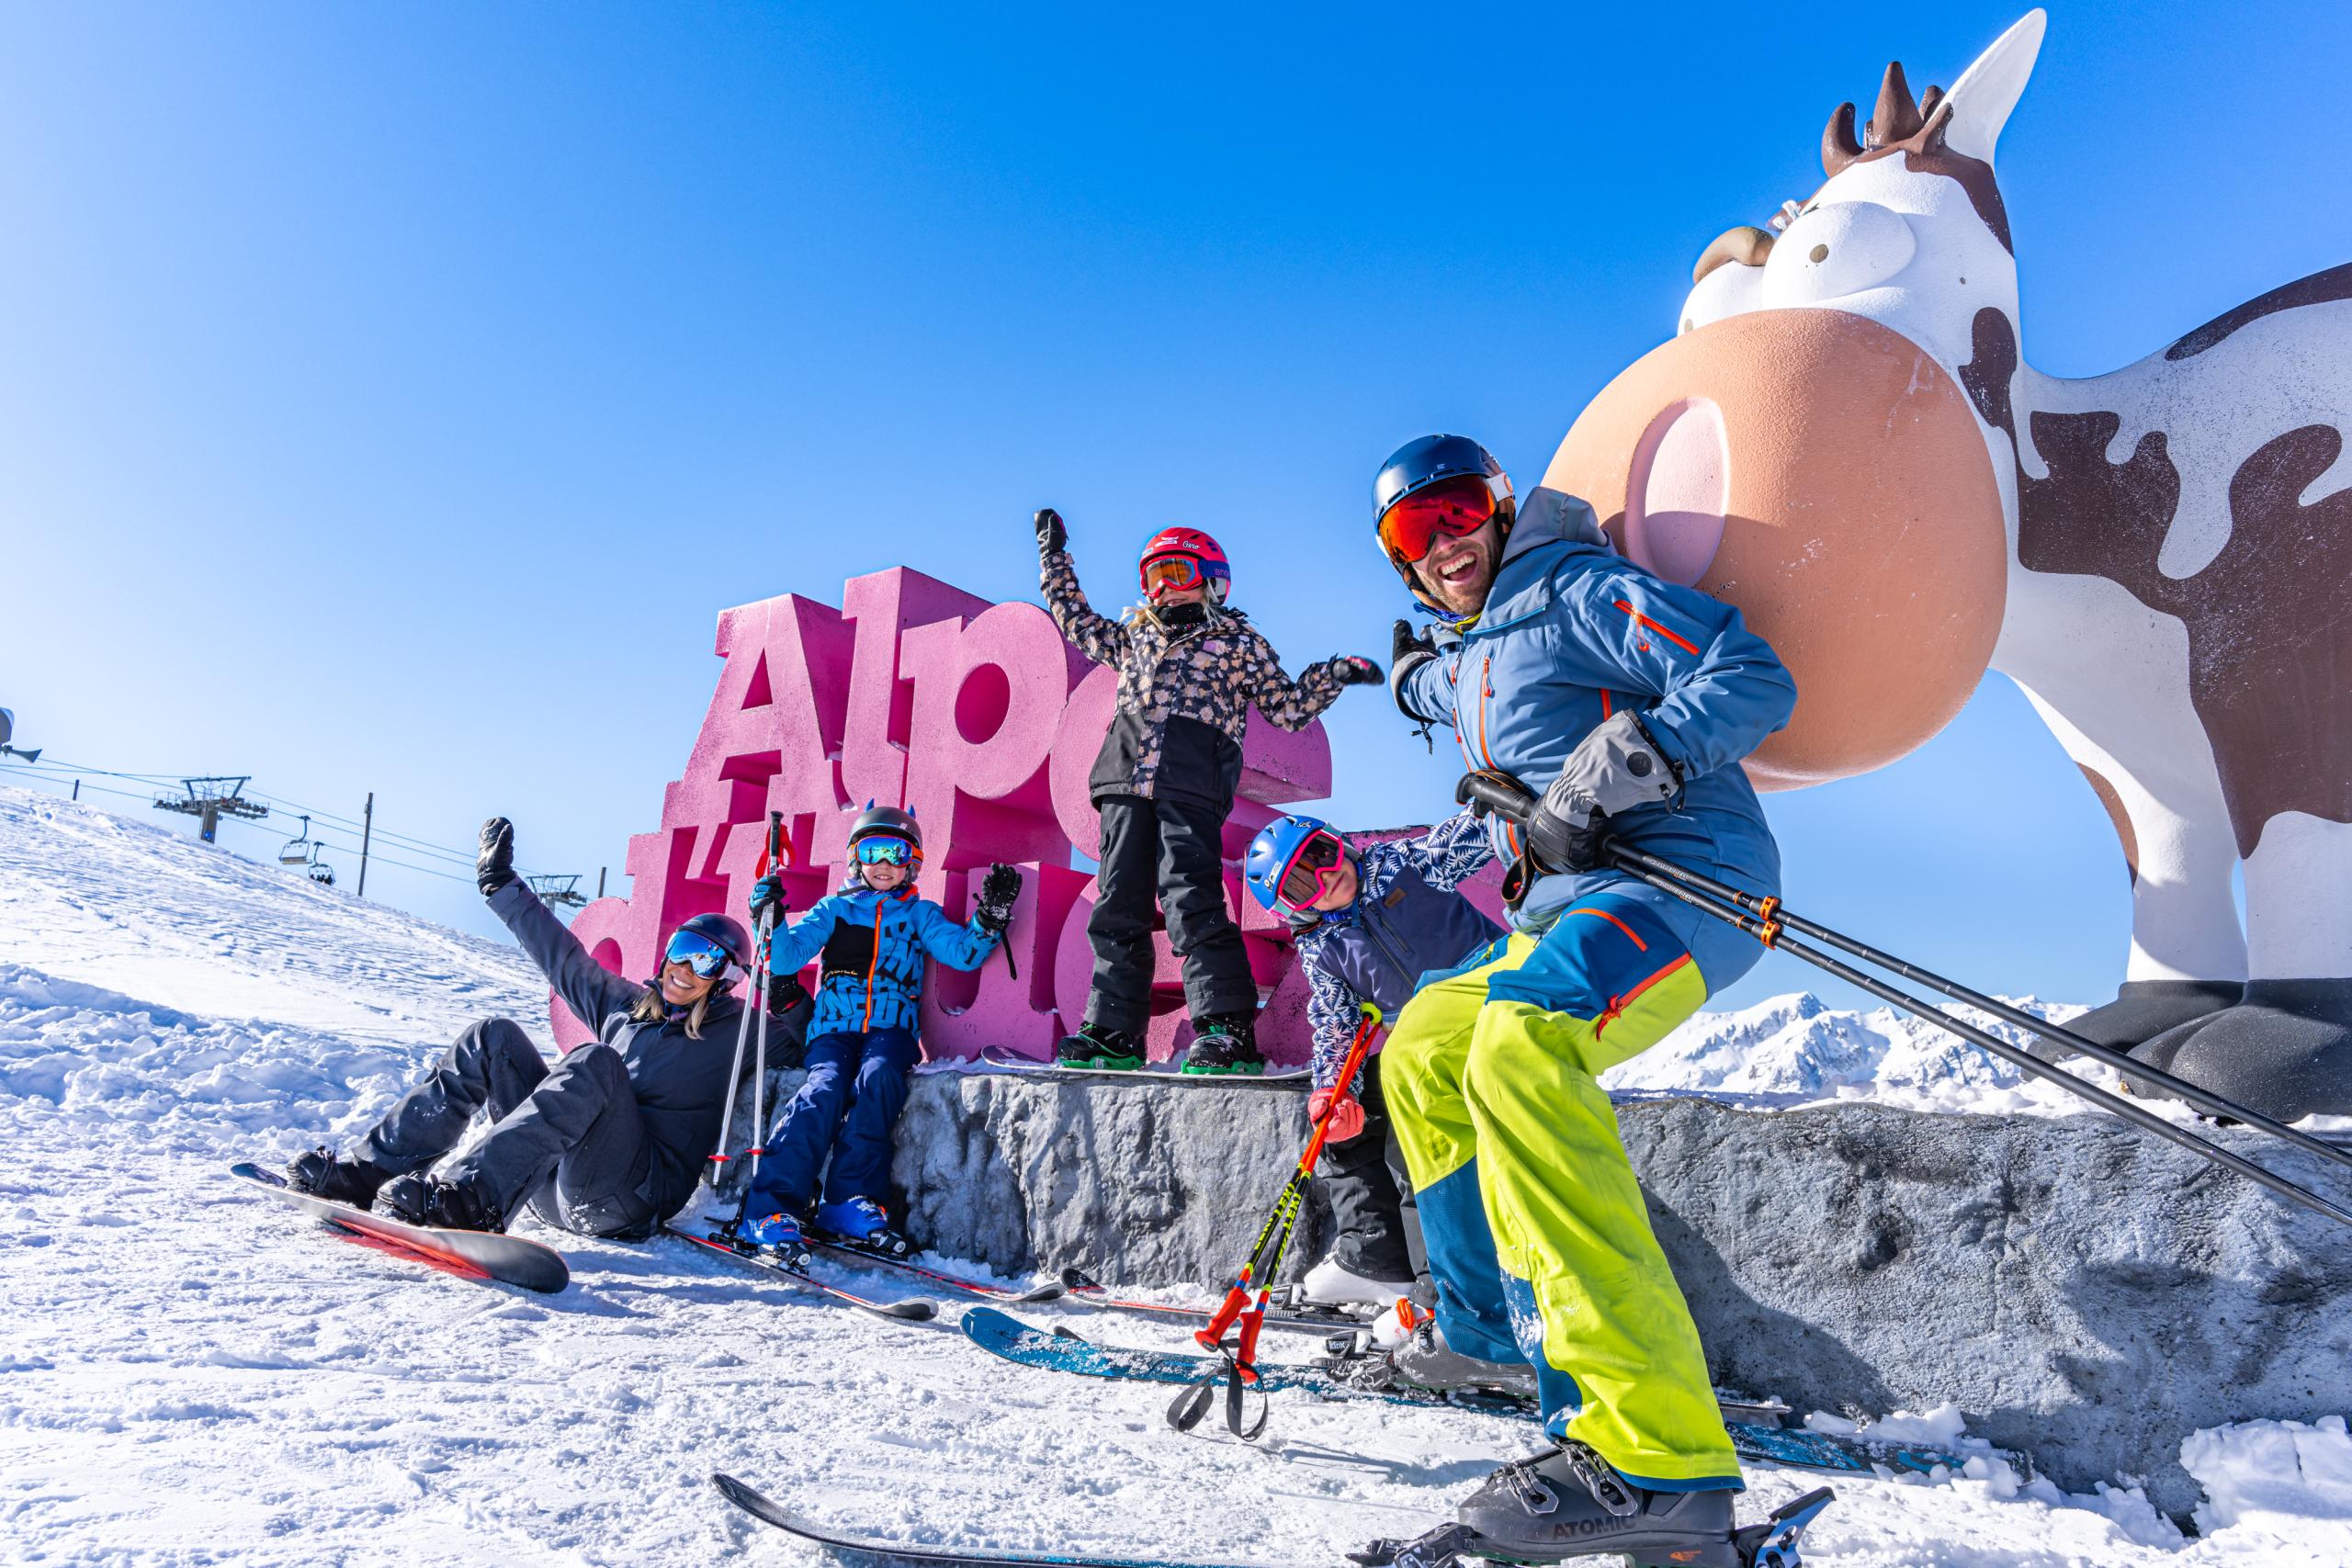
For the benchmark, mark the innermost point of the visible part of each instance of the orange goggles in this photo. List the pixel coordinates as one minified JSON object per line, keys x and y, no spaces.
{"x":1164,"y":573}
{"x":1455,"y":507}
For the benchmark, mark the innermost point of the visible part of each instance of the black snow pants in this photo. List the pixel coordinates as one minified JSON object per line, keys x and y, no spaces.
{"x":1171,"y":850}
{"x":568,"y":1139}
{"x":1378,"y":1228}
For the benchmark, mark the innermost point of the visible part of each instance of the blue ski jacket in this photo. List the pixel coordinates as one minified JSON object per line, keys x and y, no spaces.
{"x":870,"y":949}
{"x":1571,"y":632}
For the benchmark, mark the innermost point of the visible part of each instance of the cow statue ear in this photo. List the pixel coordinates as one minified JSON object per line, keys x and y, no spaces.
{"x":1988,"y":91}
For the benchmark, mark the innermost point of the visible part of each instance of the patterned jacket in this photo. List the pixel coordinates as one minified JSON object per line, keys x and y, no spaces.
{"x":1354,"y":957}
{"x":871,"y":947}
{"x":1184,"y":693}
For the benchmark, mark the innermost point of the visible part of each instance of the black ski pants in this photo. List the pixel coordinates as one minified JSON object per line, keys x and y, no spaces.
{"x":567,"y":1139}
{"x":1378,"y":1228}
{"x":1171,"y":851}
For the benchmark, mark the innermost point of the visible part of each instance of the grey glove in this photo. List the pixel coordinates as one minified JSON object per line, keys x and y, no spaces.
{"x":495,"y":863}
{"x":1051,"y":534}
{"x":1408,"y":651}
{"x":1613,"y":770}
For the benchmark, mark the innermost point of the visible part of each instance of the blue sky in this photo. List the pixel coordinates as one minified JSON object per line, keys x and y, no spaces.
{"x":394,"y":394}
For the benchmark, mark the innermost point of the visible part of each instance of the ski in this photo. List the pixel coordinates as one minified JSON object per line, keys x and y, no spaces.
{"x":1163,"y":1076}
{"x":1034,"y":1296}
{"x":1008,"y":1338}
{"x":473,"y":1255}
{"x":1772,"y":1544}
{"x":897,"y":1312}
{"x":834,"y":1539}
{"x":1311,"y":1320}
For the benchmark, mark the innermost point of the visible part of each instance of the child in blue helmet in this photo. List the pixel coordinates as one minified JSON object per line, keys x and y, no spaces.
{"x":1368,"y":921}
{"x":870,"y":938}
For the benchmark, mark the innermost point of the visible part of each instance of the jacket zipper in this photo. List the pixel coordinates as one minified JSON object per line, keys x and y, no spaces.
{"x":872,"y":964}
{"x":1372,"y":930}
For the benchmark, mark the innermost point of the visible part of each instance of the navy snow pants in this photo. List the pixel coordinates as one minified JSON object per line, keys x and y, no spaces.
{"x":856,"y":1086}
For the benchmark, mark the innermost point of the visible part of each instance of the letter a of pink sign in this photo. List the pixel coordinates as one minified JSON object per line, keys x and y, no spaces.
{"x":981,"y":720}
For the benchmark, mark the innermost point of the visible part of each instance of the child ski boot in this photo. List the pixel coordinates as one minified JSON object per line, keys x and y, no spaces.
{"x":1569,"y":1502}
{"x":862,"y":1225}
{"x":1332,"y":1283}
{"x":1225,"y":1045}
{"x":1095,"y":1046}
{"x":777,"y":1235}
{"x":323,"y":1173}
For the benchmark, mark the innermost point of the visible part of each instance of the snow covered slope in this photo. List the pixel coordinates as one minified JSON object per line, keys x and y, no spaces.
{"x":189,"y":1375}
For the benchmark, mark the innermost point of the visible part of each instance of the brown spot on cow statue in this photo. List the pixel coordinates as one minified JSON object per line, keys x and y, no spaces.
{"x":1843,"y":440}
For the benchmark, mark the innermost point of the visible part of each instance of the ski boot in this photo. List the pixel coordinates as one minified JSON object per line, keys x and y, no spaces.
{"x":1332,"y":1283}
{"x":1224,"y":1045}
{"x":777,"y":1235}
{"x":1570,"y":1503}
{"x":865,"y":1225}
{"x":1423,"y":1360}
{"x":423,"y":1199}
{"x":1095,"y":1046}
{"x":323,"y":1173}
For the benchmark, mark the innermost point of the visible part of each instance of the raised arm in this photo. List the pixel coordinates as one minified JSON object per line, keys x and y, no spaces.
{"x":961,"y":946}
{"x":1295,"y":704}
{"x":1420,"y":676}
{"x":592,"y":992}
{"x":1455,"y":849}
{"x":1099,"y":637}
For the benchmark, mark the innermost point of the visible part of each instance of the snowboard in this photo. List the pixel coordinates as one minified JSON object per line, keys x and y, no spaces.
{"x":835,"y":1539}
{"x":1001,"y":1334}
{"x":1162,"y":1074}
{"x":478,"y":1255}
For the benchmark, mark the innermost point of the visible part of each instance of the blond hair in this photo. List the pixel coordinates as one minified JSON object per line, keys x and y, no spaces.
{"x":651,"y":1009}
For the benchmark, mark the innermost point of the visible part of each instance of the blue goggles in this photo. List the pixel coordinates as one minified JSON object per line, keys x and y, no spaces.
{"x":883,"y":852}
{"x":697,"y":952}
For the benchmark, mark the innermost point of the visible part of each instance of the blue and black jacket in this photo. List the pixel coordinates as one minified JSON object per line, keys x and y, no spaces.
{"x":870,"y":949}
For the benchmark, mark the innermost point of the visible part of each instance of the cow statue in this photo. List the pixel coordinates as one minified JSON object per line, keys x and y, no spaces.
{"x":1843,"y":440}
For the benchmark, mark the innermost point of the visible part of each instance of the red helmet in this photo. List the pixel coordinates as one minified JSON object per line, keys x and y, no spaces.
{"x":1195,"y":545}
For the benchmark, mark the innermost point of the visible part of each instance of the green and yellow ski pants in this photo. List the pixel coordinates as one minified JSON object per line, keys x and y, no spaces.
{"x":1538,"y":1235}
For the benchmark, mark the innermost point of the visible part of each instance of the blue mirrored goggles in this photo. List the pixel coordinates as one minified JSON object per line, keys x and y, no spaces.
{"x":885,"y":852}
{"x":697,"y":952}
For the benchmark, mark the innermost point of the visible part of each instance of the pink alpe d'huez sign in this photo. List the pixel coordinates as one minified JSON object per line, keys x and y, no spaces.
{"x":981,"y":720}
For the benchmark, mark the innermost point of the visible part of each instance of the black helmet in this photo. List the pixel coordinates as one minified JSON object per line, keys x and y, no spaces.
{"x":725,"y":933}
{"x":1423,"y":462}
{"x":887,"y":819}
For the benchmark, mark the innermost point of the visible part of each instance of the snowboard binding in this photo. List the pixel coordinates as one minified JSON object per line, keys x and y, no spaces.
{"x":1772,"y":1544}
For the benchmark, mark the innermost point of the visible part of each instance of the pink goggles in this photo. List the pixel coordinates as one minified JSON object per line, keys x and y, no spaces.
{"x":1312,"y":868}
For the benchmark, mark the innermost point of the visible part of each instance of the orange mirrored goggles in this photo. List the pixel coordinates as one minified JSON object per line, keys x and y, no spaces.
{"x":1164,"y":573}
{"x":1456,"y":507}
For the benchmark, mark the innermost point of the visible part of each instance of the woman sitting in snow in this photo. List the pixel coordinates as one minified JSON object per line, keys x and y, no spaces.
{"x":608,"y":1141}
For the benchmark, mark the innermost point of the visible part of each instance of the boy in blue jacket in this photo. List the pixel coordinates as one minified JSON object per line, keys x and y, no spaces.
{"x":871,"y":939}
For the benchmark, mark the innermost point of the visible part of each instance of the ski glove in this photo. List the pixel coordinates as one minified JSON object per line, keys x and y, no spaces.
{"x":1051,"y":534}
{"x":785,"y":993}
{"x":494,"y":865}
{"x":1350,"y":670}
{"x":1001,"y":887}
{"x":767,"y":894}
{"x":1408,"y":651}
{"x":1347,"y":1116}
{"x":1612,"y":770}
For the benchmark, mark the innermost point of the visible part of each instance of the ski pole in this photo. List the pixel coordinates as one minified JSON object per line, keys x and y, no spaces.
{"x":772,"y":856}
{"x":1244,"y":1301}
{"x":1774,"y":916}
{"x":719,"y":1161}
{"x":1493,"y":791}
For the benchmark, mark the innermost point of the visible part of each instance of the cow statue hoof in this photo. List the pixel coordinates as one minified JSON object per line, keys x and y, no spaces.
{"x":2285,"y":1050}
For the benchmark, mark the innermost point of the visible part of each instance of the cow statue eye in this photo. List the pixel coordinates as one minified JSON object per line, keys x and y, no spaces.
{"x":1839,"y":247}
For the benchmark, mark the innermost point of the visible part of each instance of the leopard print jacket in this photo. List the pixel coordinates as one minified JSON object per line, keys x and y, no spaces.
{"x":1211,"y":673}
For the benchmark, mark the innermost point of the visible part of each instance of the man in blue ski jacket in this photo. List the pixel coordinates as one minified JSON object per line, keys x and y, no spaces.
{"x":1624,"y":704}
{"x":1369,"y":919}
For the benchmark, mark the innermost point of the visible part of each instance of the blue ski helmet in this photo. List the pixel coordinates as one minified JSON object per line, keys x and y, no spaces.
{"x":1272,"y":851}
{"x":1419,"y":463}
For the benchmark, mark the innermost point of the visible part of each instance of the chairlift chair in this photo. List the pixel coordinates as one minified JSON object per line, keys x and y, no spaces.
{"x":298,"y":849}
{"x":321,"y":872}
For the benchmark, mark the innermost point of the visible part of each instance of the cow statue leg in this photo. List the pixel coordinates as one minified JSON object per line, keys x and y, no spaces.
{"x":2286,"y":1048}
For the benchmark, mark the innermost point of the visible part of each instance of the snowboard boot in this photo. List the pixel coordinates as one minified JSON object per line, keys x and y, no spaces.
{"x":1333,"y":1283}
{"x":1571,"y":1503}
{"x":1224,"y":1045}
{"x":1425,"y":1361}
{"x":1096,"y":1046}
{"x":862,"y":1224}
{"x":777,"y":1233}
{"x":323,"y":1173}
{"x":423,"y":1199}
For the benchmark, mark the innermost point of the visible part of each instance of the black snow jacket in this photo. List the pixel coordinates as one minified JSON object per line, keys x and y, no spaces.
{"x":682,"y":1084}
